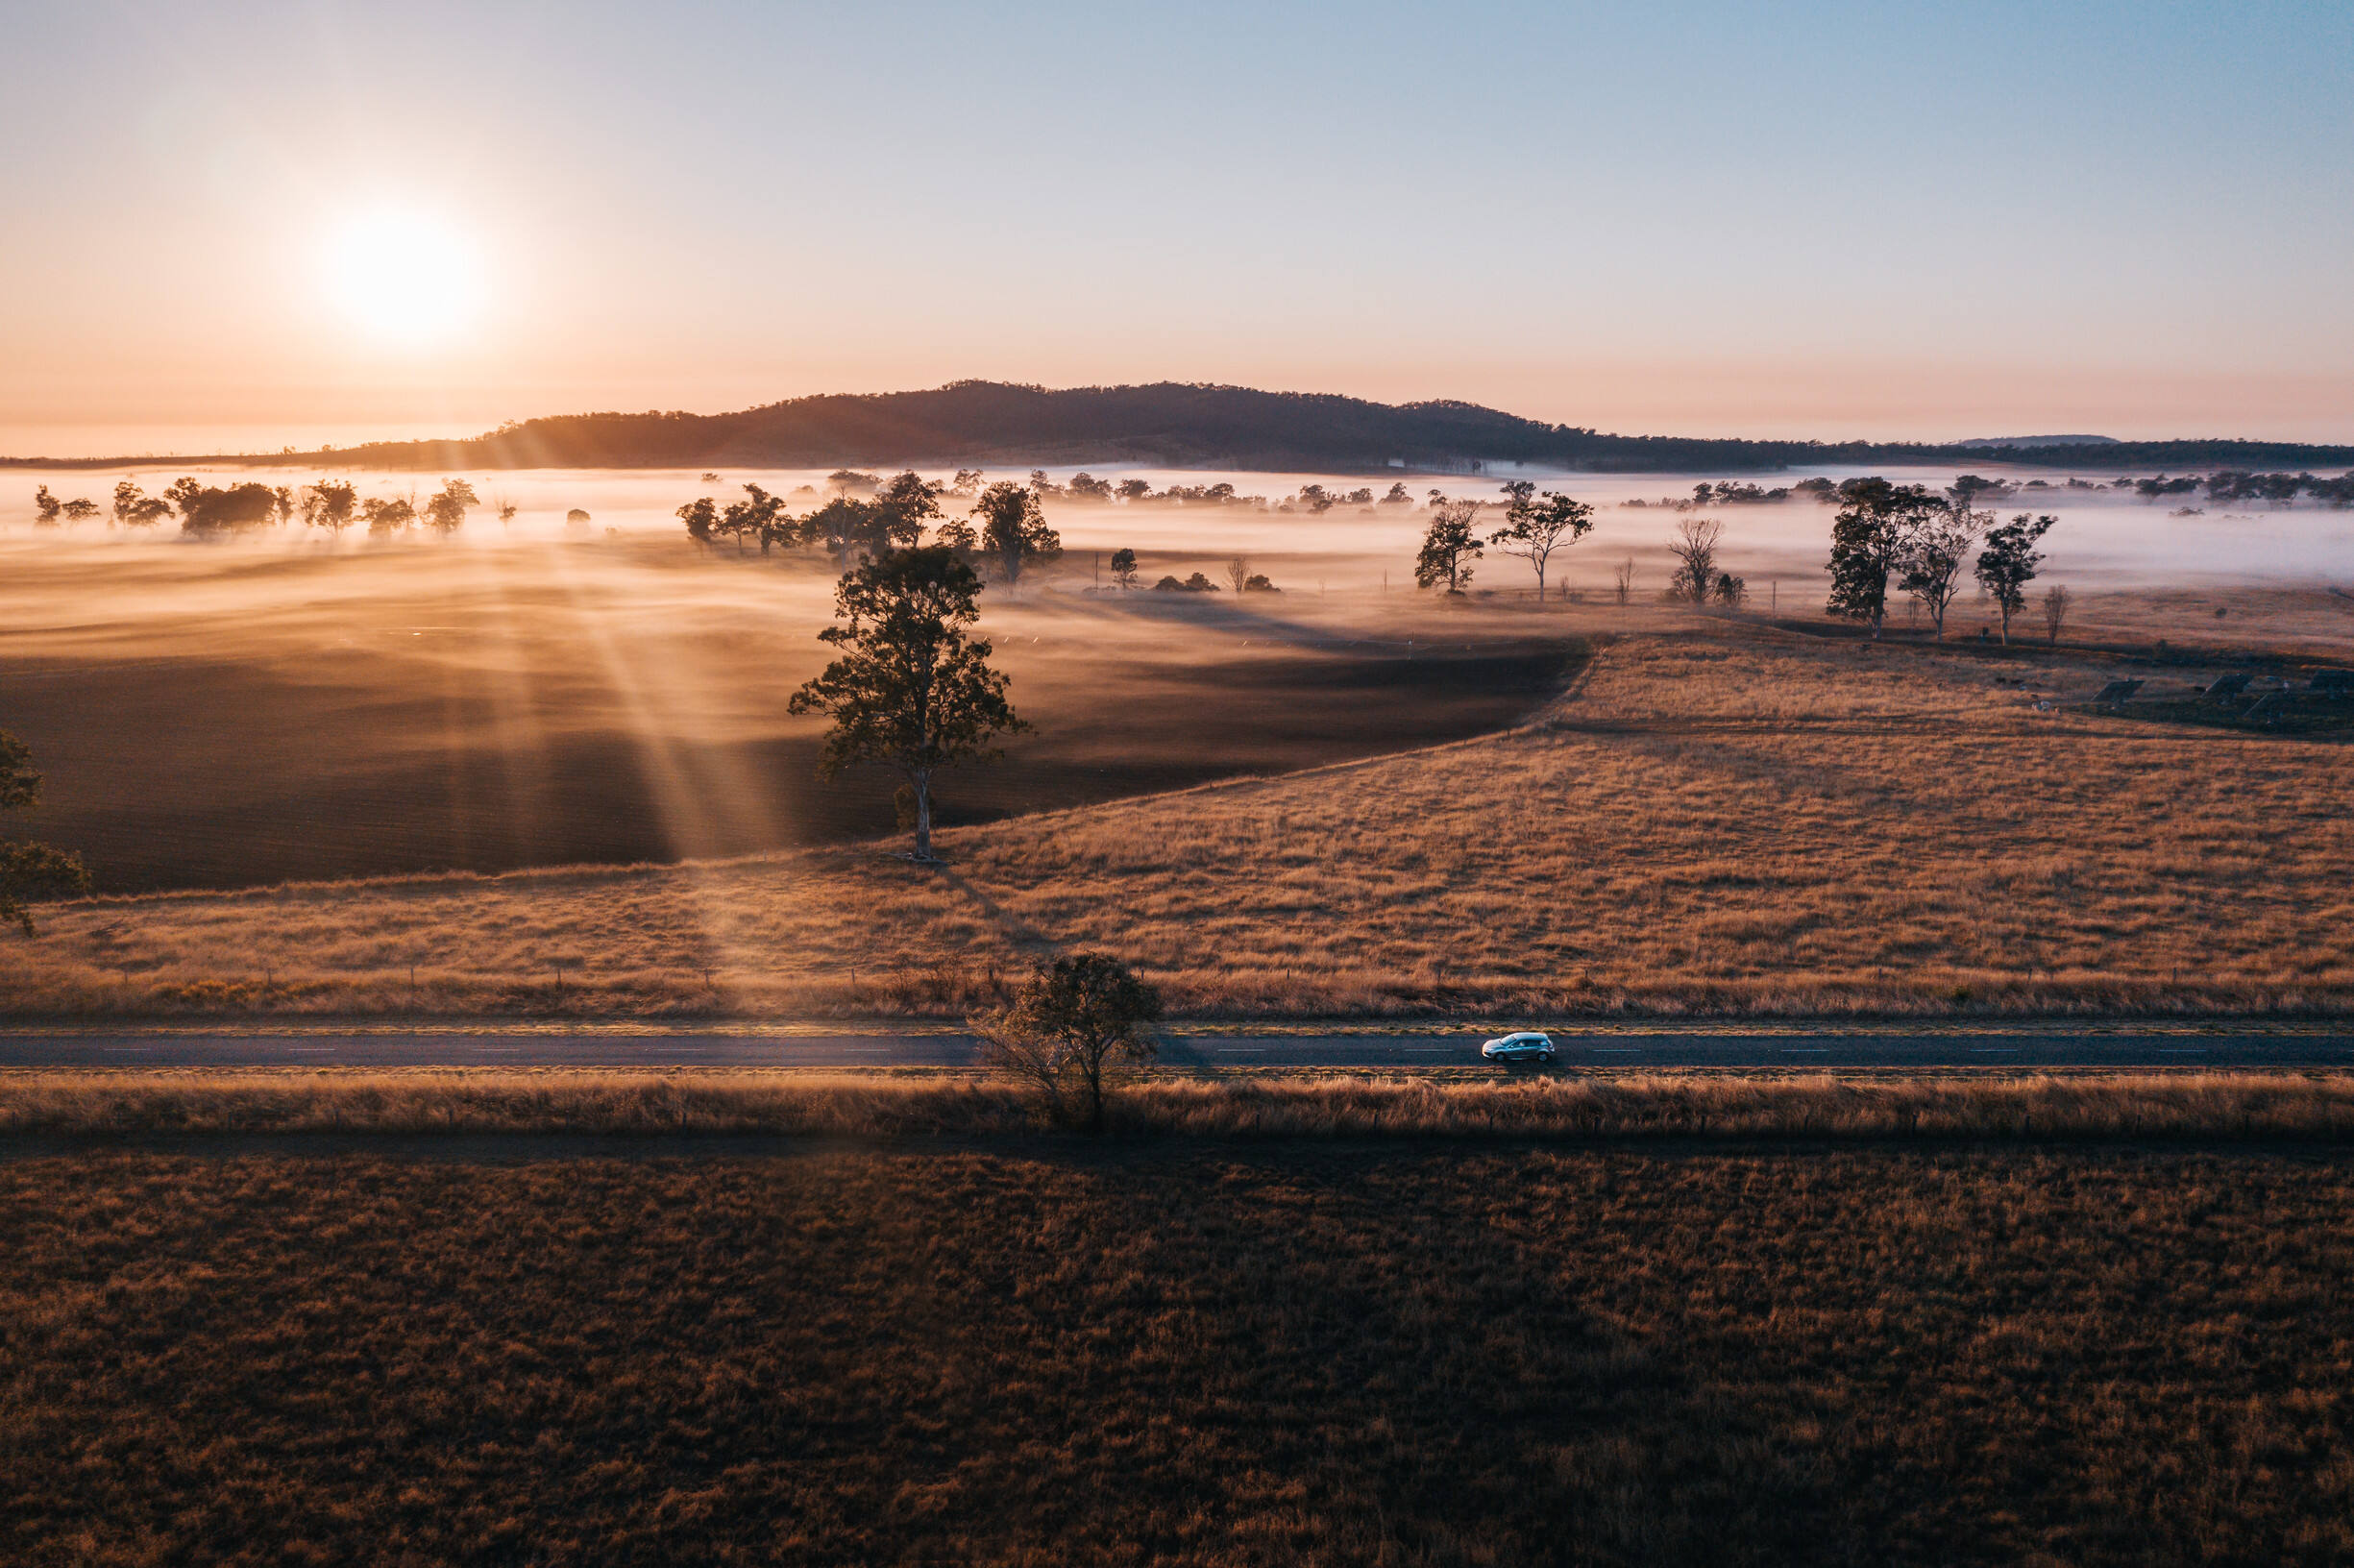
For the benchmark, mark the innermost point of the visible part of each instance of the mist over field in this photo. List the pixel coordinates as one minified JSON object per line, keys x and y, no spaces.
{"x":284,"y":705}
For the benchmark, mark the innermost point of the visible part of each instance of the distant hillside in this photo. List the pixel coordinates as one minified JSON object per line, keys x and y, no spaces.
{"x":1178,"y":425}
{"x":2041,"y":441}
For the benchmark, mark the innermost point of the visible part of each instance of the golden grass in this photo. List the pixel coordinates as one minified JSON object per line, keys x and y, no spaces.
{"x":1722,"y":822}
{"x":2298,"y":1106}
{"x":1196,"y":1356}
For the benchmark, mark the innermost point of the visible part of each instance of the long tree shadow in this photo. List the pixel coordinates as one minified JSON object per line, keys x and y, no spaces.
{"x":1023,"y":937}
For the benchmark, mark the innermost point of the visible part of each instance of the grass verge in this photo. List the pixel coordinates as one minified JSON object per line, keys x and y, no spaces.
{"x":2196,"y":1106}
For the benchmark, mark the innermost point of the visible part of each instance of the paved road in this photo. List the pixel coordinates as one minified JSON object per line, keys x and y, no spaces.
{"x":1618,"y":1048}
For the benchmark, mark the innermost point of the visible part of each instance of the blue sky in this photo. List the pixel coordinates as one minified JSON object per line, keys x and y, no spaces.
{"x":1830,"y":219}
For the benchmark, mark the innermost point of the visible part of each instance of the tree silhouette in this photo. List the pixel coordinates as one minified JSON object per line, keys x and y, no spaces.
{"x":28,"y":869}
{"x":901,"y":509}
{"x":701,"y":516}
{"x":387,"y":515}
{"x":1123,"y":568}
{"x":135,"y":508}
{"x":1068,"y":1029}
{"x":1014,"y":531}
{"x":204,"y":511}
{"x":45,"y":508}
{"x":1695,"y":547}
{"x":839,"y":528}
{"x":912,"y":690}
{"x":1534,"y":527}
{"x":760,"y":516}
{"x":1934,"y":555}
{"x":1449,"y":546}
{"x":2057,"y":601}
{"x":2008,"y":562}
{"x":331,"y":505}
{"x":446,"y":512}
{"x":1869,"y":539}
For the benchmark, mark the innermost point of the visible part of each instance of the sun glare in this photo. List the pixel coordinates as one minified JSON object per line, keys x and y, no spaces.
{"x":404,"y":277}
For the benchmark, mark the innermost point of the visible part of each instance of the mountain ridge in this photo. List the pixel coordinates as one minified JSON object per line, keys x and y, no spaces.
{"x":1183,"y":425}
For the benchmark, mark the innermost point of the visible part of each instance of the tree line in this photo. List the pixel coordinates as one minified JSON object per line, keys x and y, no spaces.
{"x":1175,"y":424}
{"x":1005,"y":528}
{"x":334,"y":506}
{"x":2231,"y":484}
{"x":1886,"y":536}
{"x":1921,"y":542}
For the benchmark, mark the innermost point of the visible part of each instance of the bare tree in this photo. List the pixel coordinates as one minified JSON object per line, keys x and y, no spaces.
{"x":1930,"y":566}
{"x":1238,"y":573}
{"x":2056,"y":601}
{"x":1074,"y":1024}
{"x":1694,"y":545}
{"x":1624,"y":578}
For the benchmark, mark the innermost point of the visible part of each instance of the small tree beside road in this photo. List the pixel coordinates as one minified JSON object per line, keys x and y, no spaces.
{"x":1072,"y":1027}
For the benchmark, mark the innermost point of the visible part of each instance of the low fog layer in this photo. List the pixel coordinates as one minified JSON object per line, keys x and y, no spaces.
{"x":2104,"y":539}
{"x":281,"y":703}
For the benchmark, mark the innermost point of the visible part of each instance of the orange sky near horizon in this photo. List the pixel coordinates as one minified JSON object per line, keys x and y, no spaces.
{"x":1662,"y":221}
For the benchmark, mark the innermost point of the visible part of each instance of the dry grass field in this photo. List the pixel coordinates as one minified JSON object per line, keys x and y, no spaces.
{"x":1715,"y":818}
{"x":699,"y":1103}
{"x":1186,"y":1353}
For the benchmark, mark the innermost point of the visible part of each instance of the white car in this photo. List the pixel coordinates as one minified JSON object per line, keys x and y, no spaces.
{"x":1529,"y":1045}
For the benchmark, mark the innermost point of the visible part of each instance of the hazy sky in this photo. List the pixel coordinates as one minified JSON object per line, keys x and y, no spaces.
{"x":1901,"y":218}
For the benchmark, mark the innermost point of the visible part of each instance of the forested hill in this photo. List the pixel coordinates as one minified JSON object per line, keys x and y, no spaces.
{"x":1173,"y":425}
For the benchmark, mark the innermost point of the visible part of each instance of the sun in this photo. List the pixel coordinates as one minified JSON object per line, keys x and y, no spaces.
{"x":404,"y":277}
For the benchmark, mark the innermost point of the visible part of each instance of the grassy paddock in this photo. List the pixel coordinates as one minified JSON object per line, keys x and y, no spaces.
{"x":1296,"y":1352}
{"x":2231,"y":1106}
{"x":1721,"y":822}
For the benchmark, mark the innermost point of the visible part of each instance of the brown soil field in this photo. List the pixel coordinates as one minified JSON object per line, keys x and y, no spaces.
{"x":1181,"y":1354}
{"x":1715,"y":818}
